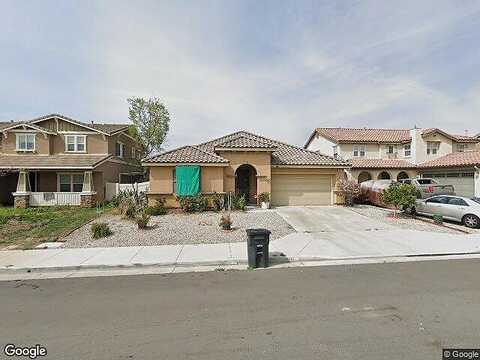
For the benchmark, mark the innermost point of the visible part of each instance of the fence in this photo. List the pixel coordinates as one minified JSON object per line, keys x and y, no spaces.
{"x":54,"y":198}
{"x":113,"y":189}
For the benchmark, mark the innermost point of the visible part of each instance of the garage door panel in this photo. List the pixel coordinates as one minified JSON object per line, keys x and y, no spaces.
{"x":301,"y":190}
{"x":464,"y":183}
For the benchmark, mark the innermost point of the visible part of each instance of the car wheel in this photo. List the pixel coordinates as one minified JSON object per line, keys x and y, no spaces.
{"x":411,"y":211}
{"x":471,"y":221}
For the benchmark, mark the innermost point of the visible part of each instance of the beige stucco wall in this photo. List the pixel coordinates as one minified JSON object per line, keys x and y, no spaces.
{"x":9,"y":144}
{"x":95,"y":144}
{"x":346,"y":151}
{"x":259,"y":160}
{"x":128,"y":142}
{"x":376,"y":172}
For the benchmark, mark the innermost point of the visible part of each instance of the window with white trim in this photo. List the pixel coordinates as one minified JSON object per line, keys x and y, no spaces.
{"x":432,"y":147}
{"x":75,"y":143}
{"x":25,"y":142}
{"x":391,"y":149}
{"x":359,"y":151}
{"x":119,"y":149}
{"x":407,"y":149}
{"x":461,"y":147}
{"x":70,"y":182}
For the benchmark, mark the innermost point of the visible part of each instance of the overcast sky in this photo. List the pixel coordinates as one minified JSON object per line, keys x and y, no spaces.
{"x":278,"y":68}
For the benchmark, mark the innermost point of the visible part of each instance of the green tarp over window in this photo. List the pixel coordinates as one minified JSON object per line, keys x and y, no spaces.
{"x":188,"y":180}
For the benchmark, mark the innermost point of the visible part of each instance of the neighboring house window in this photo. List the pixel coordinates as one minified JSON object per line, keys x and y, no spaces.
{"x":359,"y":150}
{"x":391,"y":149}
{"x":75,"y":143}
{"x":70,"y":182}
{"x":335,"y":151}
{"x":432,"y":147}
{"x":119,"y":149}
{"x":25,"y":142}
{"x":461,"y":147}
{"x":407,"y":149}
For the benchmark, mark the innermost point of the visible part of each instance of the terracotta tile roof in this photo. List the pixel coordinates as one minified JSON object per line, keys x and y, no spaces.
{"x":187,"y":155}
{"x":381,"y":163}
{"x":365,"y":135}
{"x":458,"y":138}
{"x":51,"y":161}
{"x":243,"y":141}
{"x":458,"y":159}
{"x":283,"y":154}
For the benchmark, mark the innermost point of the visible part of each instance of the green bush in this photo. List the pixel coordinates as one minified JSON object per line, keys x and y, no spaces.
{"x":158,"y":209}
{"x":264,"y":197}
{"x":218,"y":202}
{"x":239,"y":202}
{"x":142,"y":220}
{"x":438,"y":219}
{"x":100,"y":230}
{"x":191,"y":204}
{"x":400,"y":196}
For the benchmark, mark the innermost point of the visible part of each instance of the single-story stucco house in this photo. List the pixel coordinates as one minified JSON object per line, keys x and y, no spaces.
{"x":249,"y":164}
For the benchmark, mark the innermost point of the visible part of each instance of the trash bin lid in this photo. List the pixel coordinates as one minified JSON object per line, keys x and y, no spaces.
{"x":253,"y":232}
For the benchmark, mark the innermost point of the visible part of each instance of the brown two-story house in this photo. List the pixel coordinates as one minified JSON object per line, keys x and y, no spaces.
{"x":56,"y":160}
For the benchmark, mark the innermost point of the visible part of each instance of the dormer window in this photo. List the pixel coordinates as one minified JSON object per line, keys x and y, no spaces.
{"x":432,"y":147}
{"x":25,"y":142}
{"x":75,"y":143}
{"x":119,"y":149}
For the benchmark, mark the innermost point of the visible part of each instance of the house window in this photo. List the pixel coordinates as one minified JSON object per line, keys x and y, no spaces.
{"x":407,"y":149}
{"x":335,"y":151}
{"x":25,"y":142}
{"x":75,"y":143}
{"x":359,"y":150}
{"x":70,"y":182}
{"x":119,"y":149}
{"x":432,"y":147}
{"x":461,"y":147}
{"x":391,"y":149}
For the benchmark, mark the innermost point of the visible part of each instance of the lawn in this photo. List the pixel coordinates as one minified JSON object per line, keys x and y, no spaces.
{"x":26,"y":228}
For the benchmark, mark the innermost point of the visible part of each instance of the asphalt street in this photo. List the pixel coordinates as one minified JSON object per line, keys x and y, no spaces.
{"x":382,"y":311}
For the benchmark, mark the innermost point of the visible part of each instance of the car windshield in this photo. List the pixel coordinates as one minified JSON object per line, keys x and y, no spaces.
{"x":476,"y":199}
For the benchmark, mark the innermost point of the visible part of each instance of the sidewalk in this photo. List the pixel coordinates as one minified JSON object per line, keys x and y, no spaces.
{"x":297,"y":247}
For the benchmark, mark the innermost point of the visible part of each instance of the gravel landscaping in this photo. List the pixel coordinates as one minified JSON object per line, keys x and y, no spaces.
{"x":402,"y":221}
{"x":174,"y":229}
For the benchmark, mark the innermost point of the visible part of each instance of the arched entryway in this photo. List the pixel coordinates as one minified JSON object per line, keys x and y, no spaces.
{"x":402,"y":175}
{"x":246,"y":182}
{"x":364,"y":176}
{"x":384,"y":176}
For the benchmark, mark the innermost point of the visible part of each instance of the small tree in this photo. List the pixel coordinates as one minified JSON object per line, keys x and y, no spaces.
{"x":152,"y":122}
{"x":400,"y":196}
{"x":350,"y":190}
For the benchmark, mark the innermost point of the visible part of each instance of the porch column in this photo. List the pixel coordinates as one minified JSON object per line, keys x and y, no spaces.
{"x":22,"y":195}
{"x":88,"y":195}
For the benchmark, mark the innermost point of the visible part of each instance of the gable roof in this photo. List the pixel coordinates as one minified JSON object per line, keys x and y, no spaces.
{"x":282,"y":153}
{"x":467,"y":158}
{"x":14,"y":125}
{"x":458,"y":138}
{"x":364,"y":135}
{"x":106,"y":129}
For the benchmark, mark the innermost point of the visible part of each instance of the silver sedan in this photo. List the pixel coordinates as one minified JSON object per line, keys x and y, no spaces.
{"x":455,"y":208}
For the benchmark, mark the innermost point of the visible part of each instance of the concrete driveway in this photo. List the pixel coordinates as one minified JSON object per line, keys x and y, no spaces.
{"x":333,"y":232}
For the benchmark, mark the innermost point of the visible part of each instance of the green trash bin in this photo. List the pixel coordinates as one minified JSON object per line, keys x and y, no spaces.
{"x":257,"y":244}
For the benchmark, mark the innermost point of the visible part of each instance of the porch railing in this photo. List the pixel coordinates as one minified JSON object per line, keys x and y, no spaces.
{"x":55,"y":198}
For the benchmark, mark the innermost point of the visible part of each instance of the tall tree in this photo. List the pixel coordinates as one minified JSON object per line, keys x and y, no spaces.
{"x":151,"y":120}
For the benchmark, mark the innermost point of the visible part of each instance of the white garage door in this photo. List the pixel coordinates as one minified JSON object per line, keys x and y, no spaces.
{"x":301,"y":189}
{"x":464,"y":183}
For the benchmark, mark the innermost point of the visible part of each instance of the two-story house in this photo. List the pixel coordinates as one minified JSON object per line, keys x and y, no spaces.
{"x":56,"y":160}
{"x":404,"y":153}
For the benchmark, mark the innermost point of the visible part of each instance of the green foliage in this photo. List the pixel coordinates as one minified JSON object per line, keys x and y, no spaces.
{"x":239,"y":202}
{"x":400,"y":196}
{"x":100,"y":230}
{"x":152,"y":122}
{"x":350,"y":190}
{"x":438,"y":219}
{"x":226,"y":222}
{"x":158,"y":209}
{"x":191,"y":204}
{"x":218,"y":202}
{"x":264,"y":197}
{"x":133,"y":132}
{"x":129,"y":202}
{"x":142,"y":220}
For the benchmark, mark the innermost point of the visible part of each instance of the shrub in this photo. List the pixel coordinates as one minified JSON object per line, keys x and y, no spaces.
{"x":264,"y":197}
{"x":438,"y":219}
{"x":226,"y":222}
{"x":218,"y":202}
{"x":158,"y":209}
{"x":142,"y":220}
{"x":350,"y":190}
{"x":196,"y":203}
{"x":129,"y":202}
{"x":4,"y":219}
{"x":239,"y":202}
{"x":100,"y":230}
{"x":400,"y":196}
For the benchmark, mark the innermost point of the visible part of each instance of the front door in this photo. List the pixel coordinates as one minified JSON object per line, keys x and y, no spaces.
{"x":243,"y":183}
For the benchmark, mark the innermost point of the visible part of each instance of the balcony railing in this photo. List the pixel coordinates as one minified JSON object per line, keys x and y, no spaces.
{"x":55,"y":198}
